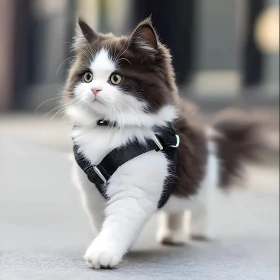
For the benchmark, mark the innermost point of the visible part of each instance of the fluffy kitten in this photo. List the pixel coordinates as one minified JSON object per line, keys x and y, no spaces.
{"x":130,"y":81}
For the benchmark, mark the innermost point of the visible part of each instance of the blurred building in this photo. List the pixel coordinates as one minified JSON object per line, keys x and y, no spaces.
{"x":224,"y":51}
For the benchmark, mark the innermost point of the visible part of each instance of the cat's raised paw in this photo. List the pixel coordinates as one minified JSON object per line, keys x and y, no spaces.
{"x":100,"y":256}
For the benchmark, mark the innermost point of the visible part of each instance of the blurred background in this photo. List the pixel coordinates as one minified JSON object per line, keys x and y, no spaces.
{"x":226,"y":53}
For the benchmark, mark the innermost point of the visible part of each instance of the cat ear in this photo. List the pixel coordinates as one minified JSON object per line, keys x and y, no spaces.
{"x":144,"y":37}
{"x":84,"y":34}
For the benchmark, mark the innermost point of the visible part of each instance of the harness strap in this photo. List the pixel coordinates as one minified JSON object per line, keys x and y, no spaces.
{"x":165,"y":141}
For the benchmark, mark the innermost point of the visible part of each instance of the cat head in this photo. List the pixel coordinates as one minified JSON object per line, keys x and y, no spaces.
{"x":128,"y":80}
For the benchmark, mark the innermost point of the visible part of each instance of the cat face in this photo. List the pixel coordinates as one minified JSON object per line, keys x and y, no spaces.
{"x":122,"y":79}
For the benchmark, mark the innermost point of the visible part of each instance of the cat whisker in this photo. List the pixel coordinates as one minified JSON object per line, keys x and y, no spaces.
{"x":60,"y":108}
{"x":55,"y":108}
{"x":123,"y":58}
{"x":121,"y":51}
{"x":87,"y":56}
{"x":47,"y":101}
{"x":78,"y":103}
{"x":64,"y":62}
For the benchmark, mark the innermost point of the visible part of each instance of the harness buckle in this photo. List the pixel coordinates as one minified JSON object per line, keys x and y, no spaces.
{"x":177,"y":143}
{"x":100,"y":175}
{"x":161,"y":148}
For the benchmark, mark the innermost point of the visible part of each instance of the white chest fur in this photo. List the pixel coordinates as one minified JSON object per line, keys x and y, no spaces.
{"x":96,"y":142}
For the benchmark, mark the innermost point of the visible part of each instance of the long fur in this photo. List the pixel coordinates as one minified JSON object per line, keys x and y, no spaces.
{"x":239,"y":141}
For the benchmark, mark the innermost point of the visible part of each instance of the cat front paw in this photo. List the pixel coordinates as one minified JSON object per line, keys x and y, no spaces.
{"x":101,"y":254}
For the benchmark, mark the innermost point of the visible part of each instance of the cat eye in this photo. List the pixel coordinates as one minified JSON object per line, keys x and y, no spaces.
{"x":88,"y":77}
{"x":115,"y":79}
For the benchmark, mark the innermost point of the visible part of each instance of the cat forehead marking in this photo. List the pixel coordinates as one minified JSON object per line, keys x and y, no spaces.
{"x":102,"y":63}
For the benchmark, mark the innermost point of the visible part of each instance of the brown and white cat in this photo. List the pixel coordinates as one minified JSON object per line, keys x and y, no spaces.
{"x":130,"y":81}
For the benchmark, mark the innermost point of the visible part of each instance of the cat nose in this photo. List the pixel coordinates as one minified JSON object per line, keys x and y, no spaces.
{"x":95,"y":90}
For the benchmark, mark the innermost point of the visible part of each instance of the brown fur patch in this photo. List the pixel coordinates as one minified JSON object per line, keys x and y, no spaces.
{"x":192,"y":152}
{"x":238,"y":143}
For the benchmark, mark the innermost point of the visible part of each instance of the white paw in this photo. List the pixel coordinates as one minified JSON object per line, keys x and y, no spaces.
{"x":102,"y":255}
{"x":168,"y":237}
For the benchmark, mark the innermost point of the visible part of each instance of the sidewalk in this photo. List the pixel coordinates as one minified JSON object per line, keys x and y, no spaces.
{"x":44,"y":231}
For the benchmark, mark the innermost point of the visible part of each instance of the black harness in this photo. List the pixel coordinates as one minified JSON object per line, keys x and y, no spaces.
{"x":166,"y":141}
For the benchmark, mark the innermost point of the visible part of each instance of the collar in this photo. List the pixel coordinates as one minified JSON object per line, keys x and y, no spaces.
{"x":106,"y":123}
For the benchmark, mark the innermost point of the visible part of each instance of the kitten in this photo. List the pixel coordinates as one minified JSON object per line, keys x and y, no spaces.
{"x":130,"y":81}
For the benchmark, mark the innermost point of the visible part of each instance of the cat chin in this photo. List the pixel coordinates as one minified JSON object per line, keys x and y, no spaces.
{"x":84,"y":117}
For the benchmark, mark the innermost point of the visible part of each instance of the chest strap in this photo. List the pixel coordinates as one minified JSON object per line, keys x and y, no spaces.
{"x":166,"y":141}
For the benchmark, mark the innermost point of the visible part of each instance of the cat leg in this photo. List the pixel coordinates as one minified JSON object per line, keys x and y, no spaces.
{"x":134,"y":192}
{"x":124,"y":219}
{"x":92,"y":201}
{"x":201,"y":222}
{"x":94,"y":210}
{"x":206,"y":215}
{"x":173,"y":228}
{"x":207,"y":220}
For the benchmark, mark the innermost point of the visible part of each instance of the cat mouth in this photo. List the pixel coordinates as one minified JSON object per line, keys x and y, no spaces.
{"x":98,"y":101}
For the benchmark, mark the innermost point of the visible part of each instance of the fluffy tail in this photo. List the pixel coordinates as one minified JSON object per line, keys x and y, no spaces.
{"x":241,"y":136}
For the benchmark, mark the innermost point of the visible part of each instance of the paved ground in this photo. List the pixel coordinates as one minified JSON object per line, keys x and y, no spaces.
{"x":44,"y":231}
